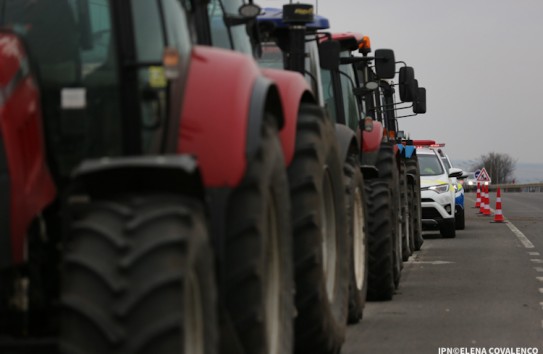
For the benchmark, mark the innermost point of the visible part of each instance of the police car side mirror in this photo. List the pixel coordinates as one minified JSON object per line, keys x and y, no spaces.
{"x":455,"y":172}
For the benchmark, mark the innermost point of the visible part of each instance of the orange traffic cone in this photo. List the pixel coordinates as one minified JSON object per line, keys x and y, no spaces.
{"x":487,"y":203}
{"x":478,"y":201}
{"x":482,"y":202}
{"x":498,"y":217}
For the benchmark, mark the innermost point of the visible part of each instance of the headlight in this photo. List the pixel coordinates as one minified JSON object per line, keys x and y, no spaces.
{"x":441,"y":188}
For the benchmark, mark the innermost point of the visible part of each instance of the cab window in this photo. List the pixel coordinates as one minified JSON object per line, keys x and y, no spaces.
{"x":328,"y":94}
{"x":350,"y":104}
{"x":71,"y":44}
{"x":233,"y":37}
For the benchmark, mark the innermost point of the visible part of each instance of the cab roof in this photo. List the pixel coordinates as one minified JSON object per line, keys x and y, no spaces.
{"x":275,"y":16}
{"x":349,"y":40}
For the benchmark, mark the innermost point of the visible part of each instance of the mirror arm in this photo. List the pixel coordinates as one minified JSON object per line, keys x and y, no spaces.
{"x":354,"y":60}
{"x":409,"y":115}
{"x":233,"y":20}
{"x":380,"y":109}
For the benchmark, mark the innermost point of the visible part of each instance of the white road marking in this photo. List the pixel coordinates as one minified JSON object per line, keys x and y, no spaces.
{"x":538,"y":269}
{"x":539,"y":278}
{"x":541,"y":304}
{"x":414,"y":261}
{"x":537,"y":260}
{"x":522,"y":238}
{"x":541,"y":290}
{"x":533,"y":253}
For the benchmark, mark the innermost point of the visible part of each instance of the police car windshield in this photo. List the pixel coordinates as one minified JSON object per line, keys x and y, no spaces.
{"x":430,"y":165}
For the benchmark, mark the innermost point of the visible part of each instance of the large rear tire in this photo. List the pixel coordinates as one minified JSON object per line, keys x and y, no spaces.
{"x":407,"y":250}
{"x":381,"y":275}
{"x":257,"y":271}
{"x":413,"y":169}
{"x":388,"y":172}
{"x":357,"y":218}
{"x":138,"y":277}
{"x":412,"y":218}
{"x":320,"y":235}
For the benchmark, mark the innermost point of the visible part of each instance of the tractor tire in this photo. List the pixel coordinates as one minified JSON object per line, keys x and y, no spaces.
{"x":447,"y":229}
{"x":407,"y":250}
{"x":388,"y":172}
{"x":413,"y":168}
{"x":138,"y":277}
{"x":256,"y":274}
{"x":357,"y":218}
{"x":381,"y":284}
{"x":412,"y":218}
{"x":320,"y":235}
{"x":460,"y":219}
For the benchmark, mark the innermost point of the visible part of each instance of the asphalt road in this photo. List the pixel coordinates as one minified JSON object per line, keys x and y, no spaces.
{"x":481,"y":292}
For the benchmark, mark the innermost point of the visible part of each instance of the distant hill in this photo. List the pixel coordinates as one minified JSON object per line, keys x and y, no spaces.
{"x":529,"y":172}
{"x":524,"y":172}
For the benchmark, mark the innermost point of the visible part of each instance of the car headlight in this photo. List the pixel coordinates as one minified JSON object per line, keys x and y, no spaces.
{"x":440,"y":188}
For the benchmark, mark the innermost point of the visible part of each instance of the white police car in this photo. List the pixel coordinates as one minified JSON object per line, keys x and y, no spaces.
{"x":438,"y":192}
{"x":458,"y":187}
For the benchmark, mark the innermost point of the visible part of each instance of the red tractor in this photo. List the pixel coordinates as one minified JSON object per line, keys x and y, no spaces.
{"x":314,"y":165}
{"x":144,"y":188}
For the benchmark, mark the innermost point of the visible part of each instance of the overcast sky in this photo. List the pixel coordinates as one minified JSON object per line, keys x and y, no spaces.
{"x":480,"y":61}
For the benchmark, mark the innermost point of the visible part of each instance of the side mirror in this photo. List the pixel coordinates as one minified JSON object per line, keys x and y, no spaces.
{"x":329,"y":55}
{"x":455,"y":172}
{"x":385,"y":64}
{"x":407,"y":84}
{"x":419,"y":105}
{"x":249,"y":10}
{"x":247,"y":13}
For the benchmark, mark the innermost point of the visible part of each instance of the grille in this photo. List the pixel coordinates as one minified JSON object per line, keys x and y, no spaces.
{"x":430,"y":213}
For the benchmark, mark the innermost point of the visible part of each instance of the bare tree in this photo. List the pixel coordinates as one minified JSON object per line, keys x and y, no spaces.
{"x":499,"y":166}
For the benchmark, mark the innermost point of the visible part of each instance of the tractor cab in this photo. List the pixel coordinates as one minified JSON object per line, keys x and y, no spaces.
{"x":104,"y":85}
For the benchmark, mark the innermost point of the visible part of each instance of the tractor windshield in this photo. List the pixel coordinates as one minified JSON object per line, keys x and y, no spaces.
{"x":272,"y":56}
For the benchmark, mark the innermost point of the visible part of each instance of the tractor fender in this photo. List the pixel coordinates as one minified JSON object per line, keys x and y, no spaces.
{"x":224,"y":104}
{"x":293,"y":90}
{"x":347,"y":141}
{"x":101,"y":178}
{"x":26,"y":185}
{"x":371,"y":141}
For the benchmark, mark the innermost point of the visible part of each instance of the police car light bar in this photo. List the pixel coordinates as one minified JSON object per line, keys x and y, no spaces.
{"x":427,"y":143}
